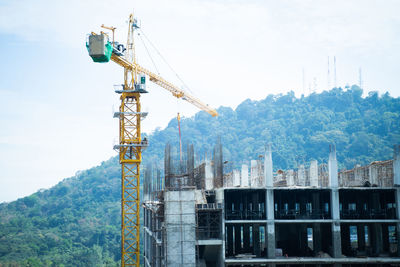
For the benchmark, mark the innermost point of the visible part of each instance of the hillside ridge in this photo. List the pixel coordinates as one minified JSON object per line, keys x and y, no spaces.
{"x":77,"y":222}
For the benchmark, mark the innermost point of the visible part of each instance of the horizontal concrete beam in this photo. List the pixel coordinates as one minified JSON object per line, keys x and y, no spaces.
{"x":370,"y":221}
{"x":304,"y":221}
{"x":366,"y":188}
{"x":209,"y":242}
{"x":298,"y":260}
{"x":284,"y":188}
{"x":313,"y":221}
{"x":245,"y":221}
{"x":341,"y":221}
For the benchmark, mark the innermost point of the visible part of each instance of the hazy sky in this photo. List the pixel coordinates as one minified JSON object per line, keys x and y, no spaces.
{"x":56,"y":105}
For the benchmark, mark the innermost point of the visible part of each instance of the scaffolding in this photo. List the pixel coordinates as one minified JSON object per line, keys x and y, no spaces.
{"x":197,"y":215}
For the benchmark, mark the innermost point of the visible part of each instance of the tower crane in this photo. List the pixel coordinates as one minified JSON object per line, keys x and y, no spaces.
{"x":130,"y":114}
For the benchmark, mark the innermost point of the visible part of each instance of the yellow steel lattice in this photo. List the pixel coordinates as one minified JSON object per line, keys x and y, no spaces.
{"x":130,"y":158}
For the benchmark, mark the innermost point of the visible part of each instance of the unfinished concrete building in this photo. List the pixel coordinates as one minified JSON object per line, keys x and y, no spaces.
{"x":311,"y":216}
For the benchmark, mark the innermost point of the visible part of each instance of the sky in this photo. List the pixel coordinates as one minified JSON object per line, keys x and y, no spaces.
{"x":56,"y":105}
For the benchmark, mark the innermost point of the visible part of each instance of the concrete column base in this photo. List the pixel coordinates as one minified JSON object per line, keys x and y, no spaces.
{"x":270,"y":240}
{"x":336,"y":240}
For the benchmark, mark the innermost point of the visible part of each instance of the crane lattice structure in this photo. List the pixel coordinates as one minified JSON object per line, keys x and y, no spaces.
{"x":131,"y":143}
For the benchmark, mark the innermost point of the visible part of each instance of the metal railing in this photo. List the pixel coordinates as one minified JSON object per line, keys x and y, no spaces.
{"x":209,"y":206}
{"x":389,"y":213}
{"x":293,"y":214}
{"x":244,"y":215}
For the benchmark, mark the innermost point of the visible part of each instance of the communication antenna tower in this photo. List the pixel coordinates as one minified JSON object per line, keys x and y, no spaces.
{"x":304,"y":83}
{"x":334,"y":70}
{"x":329,"y":80}
{"x":314,"y":85}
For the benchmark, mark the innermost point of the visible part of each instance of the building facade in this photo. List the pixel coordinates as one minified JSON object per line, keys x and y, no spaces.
{"x":312,"y":216}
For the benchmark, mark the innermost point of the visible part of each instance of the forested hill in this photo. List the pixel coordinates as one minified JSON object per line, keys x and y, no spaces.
{"x":77,"y":223}
{"x":364,"y":129}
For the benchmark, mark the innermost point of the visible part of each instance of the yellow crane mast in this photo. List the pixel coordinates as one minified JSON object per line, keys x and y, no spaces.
{"x":131,"y":143}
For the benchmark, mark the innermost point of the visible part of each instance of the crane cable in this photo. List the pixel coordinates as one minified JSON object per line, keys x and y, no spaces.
{"x":180,"y":79}
{"x":176,"y":74}
{"x":165,"y":61}
{"x":148,"y":53}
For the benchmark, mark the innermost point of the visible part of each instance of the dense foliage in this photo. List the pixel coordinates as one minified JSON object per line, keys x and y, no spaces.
{"x":364,"y":129}
{"x":77,"y":222}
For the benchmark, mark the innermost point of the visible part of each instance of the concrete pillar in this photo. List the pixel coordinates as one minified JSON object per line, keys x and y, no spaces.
{"x":333,"y":167}
{"x":336,"y":240}
{"x":209,"y":175}
{"x":358,"y":175}
{"x":314,"y":173}
{"x":269,"y":203}
{"x":236,"y":178}
{"x":145,"y":252}
{"x":270,"y":227}
{"x":335,"y":214}
{"x":220,"y":198}
{"x":268,"y":167}
{"x":270,"y":239}
{"x":396,"y":165}
{"x":245,"y":176}
{"x":228,"y":180}
{"x":219,"y":195}
{"x":260,"y":174}
{"x":253,"y":173}
{"x":218,"y":167}
{"x":223,"y":234}
{"x":290,"y":178}
{"x":373,"y":175}
{"x":301,"y":176}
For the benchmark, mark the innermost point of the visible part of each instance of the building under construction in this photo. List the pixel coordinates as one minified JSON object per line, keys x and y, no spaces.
{"x":211,"y":215}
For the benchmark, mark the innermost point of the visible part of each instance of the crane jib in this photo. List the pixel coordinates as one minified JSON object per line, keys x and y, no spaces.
{"x":179,"y":93}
